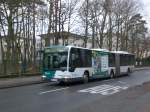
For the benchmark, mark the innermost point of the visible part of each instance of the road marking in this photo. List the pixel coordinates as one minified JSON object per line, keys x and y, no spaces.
{"x":108,"y":80}
{"x":122,"y":82}
{"x":104,"y":89}
{"x":53,"y":90}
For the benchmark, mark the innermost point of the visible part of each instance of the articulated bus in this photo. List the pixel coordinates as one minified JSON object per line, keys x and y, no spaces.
{"x":69,"y":63}
{"x":120,"y":63}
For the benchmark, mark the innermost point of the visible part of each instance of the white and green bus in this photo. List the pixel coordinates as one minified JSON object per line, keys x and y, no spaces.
{"x":69,"y":63}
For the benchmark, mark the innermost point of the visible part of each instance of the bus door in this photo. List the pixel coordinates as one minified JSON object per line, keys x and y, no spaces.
{"x":117,"y":64}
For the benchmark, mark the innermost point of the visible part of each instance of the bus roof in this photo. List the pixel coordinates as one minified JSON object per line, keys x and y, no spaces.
{"x":103,"y":50}
{"x":121,"y":52}
{"x":55,"y":46}
{"x":69,"y":46}
{"x":77,"y":47}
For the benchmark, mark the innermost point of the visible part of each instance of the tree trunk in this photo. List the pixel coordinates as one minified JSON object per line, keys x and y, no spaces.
{"x":34,"y":40}
{"x":101,"y":32}
{"x":56,"y":23}
{"x":86,"y":27}
{"x":110,"y":33}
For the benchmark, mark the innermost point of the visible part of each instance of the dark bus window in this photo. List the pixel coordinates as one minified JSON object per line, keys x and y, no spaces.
{"x":86,"y":57}
{"x":74,"y":58}
{"x":126,"y":59}
{"x":55,"y":60}
{"x":123,"y":60}
{"x":80,"y":58}
{"x":131,"y":59}
{"x":111,"y":60}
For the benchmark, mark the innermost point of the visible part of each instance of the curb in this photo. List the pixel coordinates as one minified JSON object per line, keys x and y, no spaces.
{"x":21,"y":84}
{"x":145,"y":68}
{"x":27,"y":83}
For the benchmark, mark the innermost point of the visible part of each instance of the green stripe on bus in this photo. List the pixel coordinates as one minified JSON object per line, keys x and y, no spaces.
{"x":49,"y":74}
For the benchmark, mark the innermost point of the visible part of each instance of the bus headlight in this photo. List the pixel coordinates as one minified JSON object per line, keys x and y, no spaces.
{"x":43,"y":76}
{"x":66,"y":77}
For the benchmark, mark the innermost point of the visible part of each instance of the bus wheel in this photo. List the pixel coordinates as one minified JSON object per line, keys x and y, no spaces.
{"x":111,"y":74}
{"x":129,"y":71}
{"x":86,"y":77}
{"x":61,"y":83}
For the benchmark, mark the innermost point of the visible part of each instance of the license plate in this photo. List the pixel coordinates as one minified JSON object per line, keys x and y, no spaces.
{"x":55,"y":80}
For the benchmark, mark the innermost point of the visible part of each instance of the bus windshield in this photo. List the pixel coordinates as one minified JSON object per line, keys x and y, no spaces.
{"x":56,"y":60}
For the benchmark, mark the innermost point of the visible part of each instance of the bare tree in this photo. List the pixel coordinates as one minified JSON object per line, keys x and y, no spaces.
{"x":60,"y":13}
{"x":84,"y":15}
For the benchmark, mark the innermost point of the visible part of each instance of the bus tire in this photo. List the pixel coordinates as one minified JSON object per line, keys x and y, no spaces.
{"x":112,"y":75}
{"x":86,"y":77}
{"x":61,"y":83}
{"x":129,"y":71}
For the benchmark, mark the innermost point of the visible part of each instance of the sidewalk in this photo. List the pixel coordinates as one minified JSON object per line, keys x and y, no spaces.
{"x":142,"y":68}
{"x":22,"y":81}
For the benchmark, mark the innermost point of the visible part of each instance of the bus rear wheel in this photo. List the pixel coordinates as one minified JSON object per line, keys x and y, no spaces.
{"x":86,"y":77}
{"x":129,"y":71}
{"x":112,"y":74}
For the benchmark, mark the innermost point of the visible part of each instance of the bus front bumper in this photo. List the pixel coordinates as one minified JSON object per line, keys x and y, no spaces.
{"x":60,"y":79}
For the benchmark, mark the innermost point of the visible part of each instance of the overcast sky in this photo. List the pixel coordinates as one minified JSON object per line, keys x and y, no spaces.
{"x":146,"y":11}
{"x":145,"y":6}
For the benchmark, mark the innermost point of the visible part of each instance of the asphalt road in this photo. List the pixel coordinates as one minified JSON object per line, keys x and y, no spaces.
{"x":123,"y":94}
